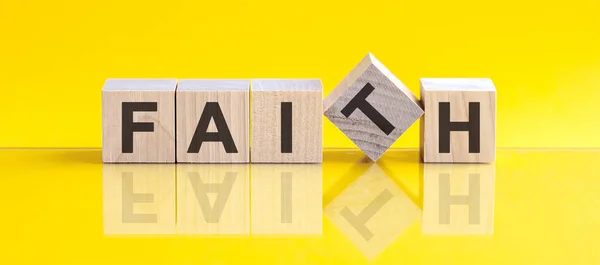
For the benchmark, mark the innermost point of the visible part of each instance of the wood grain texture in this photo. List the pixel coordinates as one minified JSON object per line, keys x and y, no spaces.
{"x":213,"y":199}
{"x":157,"y":146}
{"x":390,"y":98}
{"x":459,"y":93}
{"x":458,"y":199}
{"x":287,"y":199}
{"x":306,"y":98}
{"x":372,"y":211}
{"x":138,"y":199}
{"x":233,"y":99}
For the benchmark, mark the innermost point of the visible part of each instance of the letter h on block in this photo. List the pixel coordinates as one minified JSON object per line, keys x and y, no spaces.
{"x":138,"y":121}
{"x":459,"y":124}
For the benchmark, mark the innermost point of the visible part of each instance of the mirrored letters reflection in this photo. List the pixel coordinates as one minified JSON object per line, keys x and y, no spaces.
{"x":458,"y":199}
{"x":212,"y":199}
{"x":138,"y":199}
{"x":372,"y":211}
{"x":287,"y":199}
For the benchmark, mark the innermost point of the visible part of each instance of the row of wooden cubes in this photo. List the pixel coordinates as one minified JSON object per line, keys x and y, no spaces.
{"x":207,"y":121}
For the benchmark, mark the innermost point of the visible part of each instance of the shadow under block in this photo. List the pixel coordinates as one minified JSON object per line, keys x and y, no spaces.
{"x":458,"y":199}
{"x":372,"y":211}
{"x":213,"y":121}
{"x":213,"y":199}
{"x":287,"y":121}
{"x":459,"y":125}
{"x":138,"y":121}
{"x":372,"y":107}
{"x":287,"y":199}
{"x":138,"y":199}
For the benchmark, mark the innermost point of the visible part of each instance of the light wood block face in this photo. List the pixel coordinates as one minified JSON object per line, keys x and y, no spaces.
{"x":138,"y":199}
{"x":213,"y":199}
{"x":459,"y":125}
{"x":213,"y":121}
{"x":372,"y":107}
{"x":138,"y":121}
{"x":287,"y":121}
{"x":287,"y":199}
{"x":458,"y":199}
{"x":372,"y":211}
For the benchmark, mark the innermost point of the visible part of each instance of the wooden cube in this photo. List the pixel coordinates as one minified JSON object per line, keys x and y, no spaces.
{"x":212,"y":121}
{"x":287,"y":199}
{"x":287,"y":121}
{"x":458,"y":199}
{"x":138,"y":121}
{"x":138,"y":199}
{"x":213,"y":199}
{"x":372,"y":107}
{"x":459,"y":125}
{"x":372,"y":211}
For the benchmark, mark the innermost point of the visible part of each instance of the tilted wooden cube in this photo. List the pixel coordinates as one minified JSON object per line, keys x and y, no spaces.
{"x":287,"y":121}
{"x":213,"y":121}
{"x":459,"y":125}
{"x":138,"y":121}
{"x":372,"y":107}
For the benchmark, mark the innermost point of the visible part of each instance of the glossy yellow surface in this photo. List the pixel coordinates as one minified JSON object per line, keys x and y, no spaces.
{"x":531,"y":207}
{"x":542,"y":55}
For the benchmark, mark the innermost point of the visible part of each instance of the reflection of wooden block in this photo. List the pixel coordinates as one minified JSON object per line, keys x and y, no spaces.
{"x":372,"y":211}
{"x":213,"y":199}
{"x":287,"y":199}
{"x":138,"y":121}
{"x":138,"y":199}
{"x":286,"y":121}
{"x":459,"y":124}
{"x":372,"y":107}
{"x":212,"y":121}
{"x":458,"y":199}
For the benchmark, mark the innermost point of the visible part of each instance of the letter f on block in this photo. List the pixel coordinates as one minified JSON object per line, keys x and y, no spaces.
{"x":128,"y":126}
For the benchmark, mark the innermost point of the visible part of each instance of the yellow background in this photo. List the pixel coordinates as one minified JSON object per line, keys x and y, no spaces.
{"x":543,"y":56}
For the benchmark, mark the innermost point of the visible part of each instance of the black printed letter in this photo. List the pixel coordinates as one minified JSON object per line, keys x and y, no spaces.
{"x":128,"y":126}
{"x":212,"y":110}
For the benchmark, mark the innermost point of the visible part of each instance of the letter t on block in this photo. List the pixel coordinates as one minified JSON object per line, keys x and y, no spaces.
{"x":372,"y":107}
{"x":138,"y":121}
{"x":459,"y":125}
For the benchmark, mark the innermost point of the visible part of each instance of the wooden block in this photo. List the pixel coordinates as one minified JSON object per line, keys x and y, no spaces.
{"x":287,"y":199}
{"x":372,"y":107}
{"x":138,"y":199}
{"x":372,"y":211}
{"x":138,"y":121}
{"x":212,"y":121}
{"x":287,"y":121}
{"x":459,"y":125}
{"x":213,"y":199}
{"x":458,"y":199}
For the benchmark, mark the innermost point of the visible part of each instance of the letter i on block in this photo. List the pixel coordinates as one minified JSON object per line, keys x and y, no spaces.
{"x":372,"y":107}
{"x":459,"y":125}
{"x":287,"y":121}
{"x":212,"y":121}
{"x":138,"y":121}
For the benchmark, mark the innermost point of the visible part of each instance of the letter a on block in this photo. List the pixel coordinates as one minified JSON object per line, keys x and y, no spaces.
{"x":138,"y":121}
{"x":372,"y":107}
{"x":212,"y":121}
{"x":459,"y":124}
